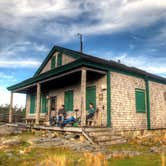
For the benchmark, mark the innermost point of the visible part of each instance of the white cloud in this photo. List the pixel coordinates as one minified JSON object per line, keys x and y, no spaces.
{"x":19,"y":64}
{"x":18,"y":99}
{"x":21,"y":55}
{"x":150,"y":64}
{"x":28,"y":16}
{"x":6,"y":78}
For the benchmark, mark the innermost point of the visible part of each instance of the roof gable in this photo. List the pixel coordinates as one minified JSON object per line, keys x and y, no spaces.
{"x":55,"y":49}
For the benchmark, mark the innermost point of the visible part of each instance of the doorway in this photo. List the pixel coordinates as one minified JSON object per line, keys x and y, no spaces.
{"x":53,"y":105}
{"x":90,"y":96}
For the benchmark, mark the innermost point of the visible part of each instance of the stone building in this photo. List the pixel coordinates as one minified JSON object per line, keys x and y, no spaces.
{"x":126,"y":98}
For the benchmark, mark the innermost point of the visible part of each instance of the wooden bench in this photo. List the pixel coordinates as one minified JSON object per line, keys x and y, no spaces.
{"x":30,"y":121}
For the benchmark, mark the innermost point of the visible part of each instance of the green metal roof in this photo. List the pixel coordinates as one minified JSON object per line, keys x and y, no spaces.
{"x":85,"y":60}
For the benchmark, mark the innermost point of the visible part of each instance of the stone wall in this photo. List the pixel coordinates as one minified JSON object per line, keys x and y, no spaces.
{"x":123,"y":106}
{"x":157,"y":105}
{"x":65,"y":59}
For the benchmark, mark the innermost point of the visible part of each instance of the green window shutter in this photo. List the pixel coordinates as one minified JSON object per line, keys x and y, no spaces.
{"x":32,"y":104}
{"x":140,"y":100}
{"x":90,"y":96}
{"x":68,"y":100}
{"x":53,"y":62}
{"x":44,"y":103}
{"x":59,"y":59}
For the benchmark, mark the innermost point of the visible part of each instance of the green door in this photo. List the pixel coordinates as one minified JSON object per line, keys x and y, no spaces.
{"x":32,"y":104}
{"x":44,"y":103}
{"x":90,"y":96}
{"x":68,"y":100}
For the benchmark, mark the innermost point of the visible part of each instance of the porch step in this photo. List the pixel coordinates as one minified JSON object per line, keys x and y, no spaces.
{"x":122,"y":141}
{"x":105,"y":136}
{"x":103,"y":133}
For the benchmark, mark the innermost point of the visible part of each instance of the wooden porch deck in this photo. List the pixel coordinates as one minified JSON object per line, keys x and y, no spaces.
{"x":70,"y":129}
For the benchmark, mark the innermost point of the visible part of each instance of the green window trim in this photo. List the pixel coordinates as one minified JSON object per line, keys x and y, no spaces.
{"x":44,"y":104}
{"x":53,"y":62}
{"x":90,"y":96}
{"x":68,"y":100}
{"x":140,"y":100}
{"x":32,"y":104}
{"x":108,"y":98}
{"x":148,"y":104}
{"x":59,"y":60}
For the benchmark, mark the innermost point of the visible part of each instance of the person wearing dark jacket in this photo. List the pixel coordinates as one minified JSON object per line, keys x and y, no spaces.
{"x":91,"y":111}
{"x":61,"y":115}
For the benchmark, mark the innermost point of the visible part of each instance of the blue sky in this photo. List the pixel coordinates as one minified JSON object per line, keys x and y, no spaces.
{"x":133,"y":31}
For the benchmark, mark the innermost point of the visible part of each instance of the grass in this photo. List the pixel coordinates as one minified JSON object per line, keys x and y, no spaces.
{"x":25,"y":154}
{"x":142,"y":160}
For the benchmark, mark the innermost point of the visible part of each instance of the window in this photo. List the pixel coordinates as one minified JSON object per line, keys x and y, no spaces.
{"x":44,"y":103}
{"x":59,"y":60}
{"x":68,"y":100}
{"x":140,"y":100}
{"x":32,"y":104}
{"x":53,"y":103}
{"x":53,"y":62}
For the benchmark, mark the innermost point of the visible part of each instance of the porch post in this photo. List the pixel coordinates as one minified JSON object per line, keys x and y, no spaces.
{"x":49,"y":109}
{"x":38,"y":98}
{"x":11,"y":108}
{"x":83,"y":97}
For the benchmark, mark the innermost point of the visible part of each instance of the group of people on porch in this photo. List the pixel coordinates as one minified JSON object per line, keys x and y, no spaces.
{"x":61,"y":118}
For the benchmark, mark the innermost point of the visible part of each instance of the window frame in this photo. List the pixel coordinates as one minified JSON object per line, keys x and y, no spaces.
{"x":59,"y":60}
{"x":72,"y":103}
{"x":32,"y":110}
{"x":53,"y":62}
{"x":138,"y":110}
{"x":44,"y":103}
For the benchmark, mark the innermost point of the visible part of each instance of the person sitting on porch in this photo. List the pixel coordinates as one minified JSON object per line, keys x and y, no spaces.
{"x":61,"y":115}
{"x":68,"y":120}
{"x":91,"y":111}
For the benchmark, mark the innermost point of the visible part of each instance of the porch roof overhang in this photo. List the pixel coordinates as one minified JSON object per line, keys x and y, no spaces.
{"x":58,"y":73}
{"x":92,"y":63}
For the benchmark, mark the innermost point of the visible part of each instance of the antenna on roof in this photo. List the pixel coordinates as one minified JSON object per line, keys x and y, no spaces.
{"x":81,"y":42}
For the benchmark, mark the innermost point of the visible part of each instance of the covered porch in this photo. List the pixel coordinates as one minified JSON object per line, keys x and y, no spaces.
{"x":75,"y":89}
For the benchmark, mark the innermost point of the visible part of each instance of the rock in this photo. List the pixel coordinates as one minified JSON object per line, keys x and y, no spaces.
{"x":123,"y":154}
{"x":156,"y":149}
{"x":69,"y":136}
{"x":10,"y":142}
{"x":54,"y":135}
{"x":72,"y":139}
{"x":82,"y":139}
{"x":5,"y":130}
{"x":21,"y":152}
{"x":164,"y":138}
{"x":9,"y":154}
